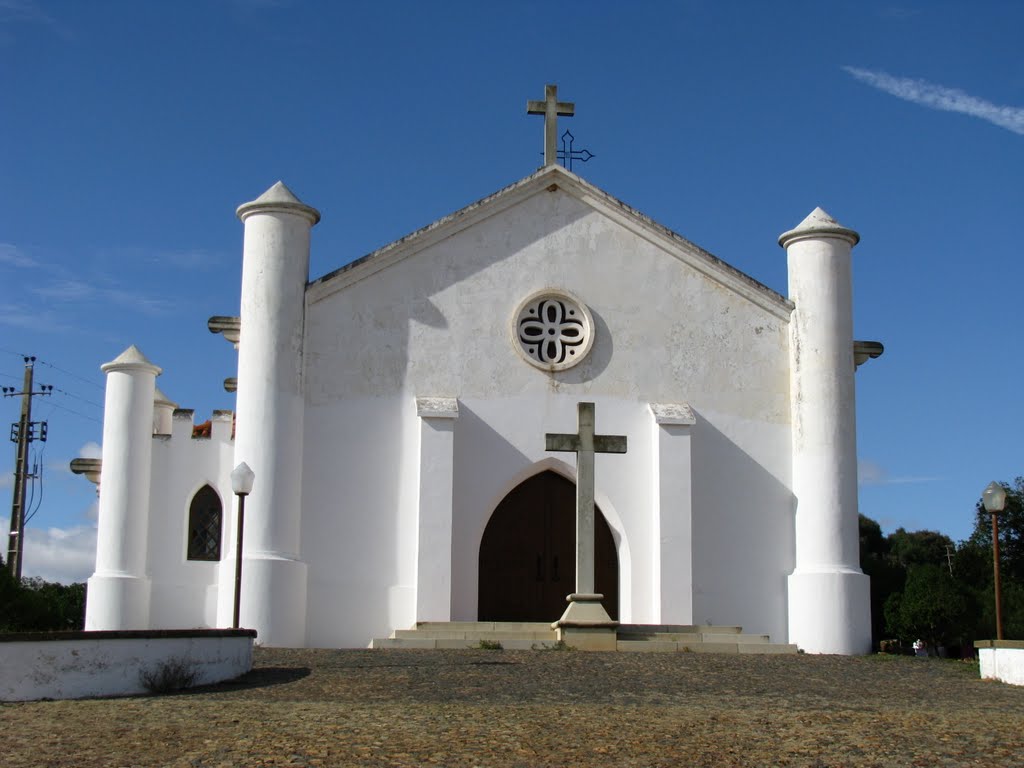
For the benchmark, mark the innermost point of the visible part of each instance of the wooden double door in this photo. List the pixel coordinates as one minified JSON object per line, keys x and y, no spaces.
{"x":528,"y":554}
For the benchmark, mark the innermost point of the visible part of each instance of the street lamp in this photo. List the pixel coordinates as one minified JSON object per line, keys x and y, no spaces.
{"x":241,"y":483}
{"x":994,"y":499}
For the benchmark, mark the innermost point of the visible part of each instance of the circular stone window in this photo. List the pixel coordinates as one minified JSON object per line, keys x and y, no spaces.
{"x":553,"y":330}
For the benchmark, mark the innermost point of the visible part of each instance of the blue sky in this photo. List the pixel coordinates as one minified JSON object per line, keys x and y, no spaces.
{"x":130,"y":131}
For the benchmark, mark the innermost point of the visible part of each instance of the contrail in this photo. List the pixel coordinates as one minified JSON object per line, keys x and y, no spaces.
{"x":939,"y":97}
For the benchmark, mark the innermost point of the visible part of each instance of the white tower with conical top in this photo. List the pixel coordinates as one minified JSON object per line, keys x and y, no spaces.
{"x":829,"y":596}
{"x":119,"y":589}
{"x":269,"y":425}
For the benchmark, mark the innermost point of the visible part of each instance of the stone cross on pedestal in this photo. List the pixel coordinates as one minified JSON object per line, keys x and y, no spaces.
{"x":551,"y":108}
{"x":585,"y":612}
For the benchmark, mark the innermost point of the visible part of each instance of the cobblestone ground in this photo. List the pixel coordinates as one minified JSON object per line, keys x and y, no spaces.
{"x":544,"y":708}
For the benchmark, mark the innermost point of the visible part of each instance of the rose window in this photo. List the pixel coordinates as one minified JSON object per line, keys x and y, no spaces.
{"x":553,"y":330}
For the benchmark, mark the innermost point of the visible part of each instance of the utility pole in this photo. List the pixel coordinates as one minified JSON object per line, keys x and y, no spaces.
{"x":22,"y":433}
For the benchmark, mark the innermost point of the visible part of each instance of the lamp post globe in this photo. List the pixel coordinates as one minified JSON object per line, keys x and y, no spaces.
{"x":994,"y":500}
{"x":241,"y":483}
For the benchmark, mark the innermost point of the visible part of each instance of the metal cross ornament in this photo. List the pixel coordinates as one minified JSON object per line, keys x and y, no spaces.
{"x":567,"y":154}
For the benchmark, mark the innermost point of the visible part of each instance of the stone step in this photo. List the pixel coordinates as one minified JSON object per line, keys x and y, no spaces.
{"x":679,"y":629}
{"x":486,"y":626}
{"x":473,"y":634}
{"x":636,"y":638}
{"x":434,"y":643}
{"x":694,"y":637}
{"x":670,"y":646}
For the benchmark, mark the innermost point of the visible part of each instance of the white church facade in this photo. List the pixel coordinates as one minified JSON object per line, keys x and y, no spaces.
{"x":394,"y":413}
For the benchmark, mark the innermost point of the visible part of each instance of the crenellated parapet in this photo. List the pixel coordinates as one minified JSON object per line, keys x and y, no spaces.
{"x":220,"y":427}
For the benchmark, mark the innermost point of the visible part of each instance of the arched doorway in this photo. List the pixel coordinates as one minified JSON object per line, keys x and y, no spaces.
{"x":528,"y":554}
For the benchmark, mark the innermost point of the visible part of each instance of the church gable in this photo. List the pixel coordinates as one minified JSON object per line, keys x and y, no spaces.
{"x":434,"y":312}
{"x":546,"y":180}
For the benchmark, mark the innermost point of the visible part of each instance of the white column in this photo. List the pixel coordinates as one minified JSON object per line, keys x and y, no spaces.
{"x":118,"y":592}
{"x":269,"y":425}
{"x":829,"y":598}
{"x":434,"y":529}
{"x":673,"y":514}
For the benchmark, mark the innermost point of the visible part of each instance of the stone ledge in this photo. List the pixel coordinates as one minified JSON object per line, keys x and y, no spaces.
{"x":1012,"y":644}
{"x":122,"y":634}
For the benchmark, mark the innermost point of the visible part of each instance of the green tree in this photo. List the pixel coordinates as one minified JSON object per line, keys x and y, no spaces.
{"x":910,"y":548}
{"x":933,"y":606}
{"x":973,"y":565}
{"x":34,"y":605}
{"x":1011,"y":532}
{"x":886,"y":575}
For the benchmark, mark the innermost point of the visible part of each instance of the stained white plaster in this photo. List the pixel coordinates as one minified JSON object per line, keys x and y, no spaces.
{"x":119,"y":589}
{"x":183,"y":590}
{"x":387,"y":413}
{"x":86,"y":667}
{"x":829,"y":605}
{"x":1003,"y":663}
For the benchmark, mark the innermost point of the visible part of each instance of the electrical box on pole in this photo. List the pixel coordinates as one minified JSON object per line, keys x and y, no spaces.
{"x":23,"y":433}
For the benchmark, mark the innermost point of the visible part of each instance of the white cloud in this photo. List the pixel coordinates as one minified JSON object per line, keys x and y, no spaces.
{"x":65,"y":555}
{"x":91,"y":450}
{"x":20,"y":316}
{"x":942,"y":98}
{"x":24,"y":11}
{"x":65,"y":289}
{"x":78,"y":290}
{"x":872,"y":473}
{"x":27,"y":12}
{"x":13,"y":256}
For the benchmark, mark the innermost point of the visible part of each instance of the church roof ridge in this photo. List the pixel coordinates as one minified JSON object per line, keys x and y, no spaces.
{"x":551,"y":177}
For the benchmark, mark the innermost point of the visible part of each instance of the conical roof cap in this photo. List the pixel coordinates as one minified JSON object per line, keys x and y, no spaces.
{"x":278,"y":198}
{"x":818,"y":224}
{"x":159,"y":398}
{"x":131,"y":359}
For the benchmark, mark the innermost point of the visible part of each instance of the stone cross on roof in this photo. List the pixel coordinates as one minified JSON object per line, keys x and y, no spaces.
{"x":551,"y":108}
{"x":585,"y":444}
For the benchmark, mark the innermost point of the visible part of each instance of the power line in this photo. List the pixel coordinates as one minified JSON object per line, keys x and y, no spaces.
{"x":76,"y":413}
{"x":84,"y":400}
{"x":73,"y":375}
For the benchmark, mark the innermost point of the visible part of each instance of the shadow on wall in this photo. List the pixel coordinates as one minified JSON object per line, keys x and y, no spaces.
{"x":744,"y":536}
{"x":374,"y":357}
{"x":467,"y":524}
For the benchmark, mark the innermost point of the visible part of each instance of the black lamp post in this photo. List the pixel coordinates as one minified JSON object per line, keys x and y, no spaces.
{"x":994,"y":499}
{"x":241,"y":483}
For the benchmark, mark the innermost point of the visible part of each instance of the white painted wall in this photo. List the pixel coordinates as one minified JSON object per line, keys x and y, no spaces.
{"x":1004,"y":664}
{"x":429,"y":318}
{"x":184,"y":591}
{"x":437,"y":325}
{"x":119,"y":591}
{"x":86,"y":667}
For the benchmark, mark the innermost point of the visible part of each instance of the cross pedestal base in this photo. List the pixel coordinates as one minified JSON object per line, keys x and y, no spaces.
{"x":586,"y":625}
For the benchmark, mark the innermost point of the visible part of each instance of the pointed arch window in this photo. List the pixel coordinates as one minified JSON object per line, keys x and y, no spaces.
{"x":205,"y":517}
